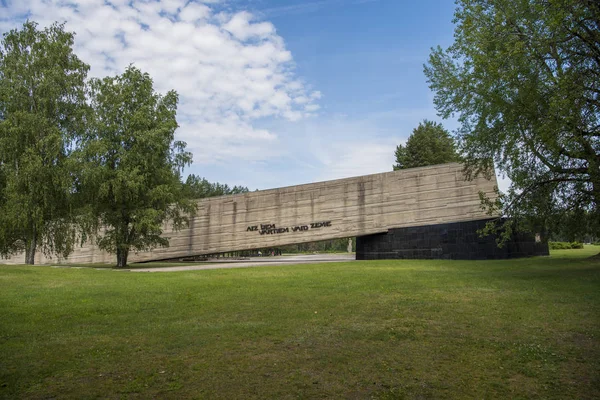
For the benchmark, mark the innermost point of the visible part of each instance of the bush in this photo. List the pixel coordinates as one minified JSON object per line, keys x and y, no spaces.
{"x":557,"y":245}
{"x":565,"y":245}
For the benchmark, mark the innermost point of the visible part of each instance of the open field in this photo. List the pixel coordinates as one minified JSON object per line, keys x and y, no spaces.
{"x":525,"y":328}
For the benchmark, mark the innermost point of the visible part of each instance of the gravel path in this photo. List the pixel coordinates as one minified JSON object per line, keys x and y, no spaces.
{"x":256,"y":262}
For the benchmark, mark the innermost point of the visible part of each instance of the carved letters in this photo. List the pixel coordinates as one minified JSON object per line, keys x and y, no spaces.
{"x":271,"y":229}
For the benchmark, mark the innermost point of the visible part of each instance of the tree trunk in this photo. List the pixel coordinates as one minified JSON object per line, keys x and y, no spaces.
{"x":122,"y":257}
{"x":30,"y":249}
{"x":595,"y":178}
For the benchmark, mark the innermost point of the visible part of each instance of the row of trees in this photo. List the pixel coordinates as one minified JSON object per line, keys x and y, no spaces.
{"x":322,"y":246}
{"x":523,"y":78}
{"x":86,"y":158}
{"x":197,"y":188}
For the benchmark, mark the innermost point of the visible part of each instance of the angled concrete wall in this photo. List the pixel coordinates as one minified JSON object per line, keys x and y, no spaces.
{"x":325,"y":210}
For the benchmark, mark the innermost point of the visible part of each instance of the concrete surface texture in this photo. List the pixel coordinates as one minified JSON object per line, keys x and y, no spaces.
{"x":340,"y":208}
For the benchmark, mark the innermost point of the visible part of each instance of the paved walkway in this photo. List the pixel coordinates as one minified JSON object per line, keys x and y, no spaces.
{"x":256,"y":262}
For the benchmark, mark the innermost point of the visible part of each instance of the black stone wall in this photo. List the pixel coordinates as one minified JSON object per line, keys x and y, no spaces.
{"x":458,"y":241}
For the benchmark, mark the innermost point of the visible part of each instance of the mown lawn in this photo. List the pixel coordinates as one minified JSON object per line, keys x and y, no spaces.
{"x":389,"y":329}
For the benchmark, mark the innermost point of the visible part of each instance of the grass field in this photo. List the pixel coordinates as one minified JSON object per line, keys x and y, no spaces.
{"x":524,"y":329}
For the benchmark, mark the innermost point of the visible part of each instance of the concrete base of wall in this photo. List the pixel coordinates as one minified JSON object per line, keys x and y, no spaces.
{"x":458,"y":241}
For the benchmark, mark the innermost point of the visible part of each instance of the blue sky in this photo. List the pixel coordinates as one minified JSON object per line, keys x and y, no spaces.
{"x":272,"y":93}
{"x":366,"y":57}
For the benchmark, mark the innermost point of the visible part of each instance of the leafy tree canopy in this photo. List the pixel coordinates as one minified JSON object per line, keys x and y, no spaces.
{"x":132,"y":165}
{"x":199,"y":188}
{"x":42,"y":99}
{"x":524,"y":79}
{"x":429,"y":144}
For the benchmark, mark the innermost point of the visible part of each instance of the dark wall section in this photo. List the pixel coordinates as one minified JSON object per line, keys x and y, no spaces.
{"x":458,"y":241}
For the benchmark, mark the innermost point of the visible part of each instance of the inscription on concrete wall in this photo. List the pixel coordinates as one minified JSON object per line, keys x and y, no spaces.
{"x":272,"y":229}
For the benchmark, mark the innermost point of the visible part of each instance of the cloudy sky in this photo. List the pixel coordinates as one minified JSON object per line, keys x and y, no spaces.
{"x":272,"y":92}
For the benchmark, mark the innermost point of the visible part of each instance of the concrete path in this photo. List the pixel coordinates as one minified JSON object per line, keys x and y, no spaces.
{"x":256,"y":262}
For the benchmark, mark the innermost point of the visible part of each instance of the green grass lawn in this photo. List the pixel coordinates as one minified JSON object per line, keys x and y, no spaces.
{"x":524,"y":329}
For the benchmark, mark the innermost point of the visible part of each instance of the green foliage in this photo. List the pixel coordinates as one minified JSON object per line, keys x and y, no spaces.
{"x":322,"y":246}
{"x":523,"y":77}
{"x":574,"y":226}
{"x":199,"y":188}
{"x":42,"y":97}
{"x":429,"y":144}
{"x":565,"y":245}
{"x":131,"y":165}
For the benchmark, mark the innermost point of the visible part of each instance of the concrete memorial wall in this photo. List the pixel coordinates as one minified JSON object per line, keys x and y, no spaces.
{"x":359,"y":206}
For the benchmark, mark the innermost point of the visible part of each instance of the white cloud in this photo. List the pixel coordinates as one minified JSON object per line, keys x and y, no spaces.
{"x":241,"y":27}
{"x":331,"y":147}
{"x":357,"y":159}
{"x":360,"y":148}
{"x":194,"y":12}
{"x":228,"y":140}
{"x":228,"y":68}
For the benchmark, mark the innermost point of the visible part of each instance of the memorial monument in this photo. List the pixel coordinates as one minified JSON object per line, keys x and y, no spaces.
{"x":427,"y":212}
